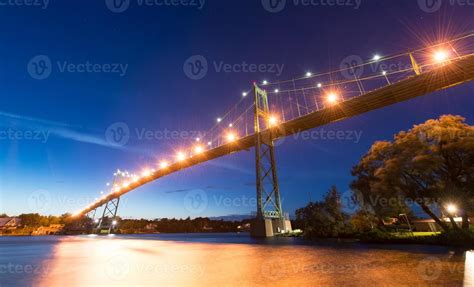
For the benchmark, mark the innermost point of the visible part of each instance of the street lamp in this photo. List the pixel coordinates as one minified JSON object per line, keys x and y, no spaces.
{"x":451,"y":208}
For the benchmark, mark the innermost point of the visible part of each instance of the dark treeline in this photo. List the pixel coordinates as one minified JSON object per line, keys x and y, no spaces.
{"x":187,"y":225}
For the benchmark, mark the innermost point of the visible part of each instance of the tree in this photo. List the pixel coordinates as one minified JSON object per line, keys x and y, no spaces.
{"x":432,"y":164}
{"x":324,"y":219}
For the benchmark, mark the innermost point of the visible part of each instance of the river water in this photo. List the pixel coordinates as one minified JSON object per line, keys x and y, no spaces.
{"x":224,"y":260}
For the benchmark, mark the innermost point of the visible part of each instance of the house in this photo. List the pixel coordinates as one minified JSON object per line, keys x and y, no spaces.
{"x":49,"y":230}
{"x":9,"y":223}
{"x":429,"y":225}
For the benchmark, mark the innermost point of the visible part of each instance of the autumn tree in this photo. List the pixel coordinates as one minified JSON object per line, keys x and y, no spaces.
{"x":432,"y":165}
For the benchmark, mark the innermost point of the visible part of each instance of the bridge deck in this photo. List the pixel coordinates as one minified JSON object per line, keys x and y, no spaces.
{"x":452,"y":74}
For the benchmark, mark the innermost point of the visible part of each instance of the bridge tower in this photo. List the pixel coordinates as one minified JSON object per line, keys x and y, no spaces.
{"x":109,"y":215}
{"x":270,"y":218}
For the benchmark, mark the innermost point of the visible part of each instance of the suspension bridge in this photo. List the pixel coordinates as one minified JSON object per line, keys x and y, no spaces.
{"x":272,"y":110}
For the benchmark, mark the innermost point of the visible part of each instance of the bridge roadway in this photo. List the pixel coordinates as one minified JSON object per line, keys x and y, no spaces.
{"x":452,"y":74}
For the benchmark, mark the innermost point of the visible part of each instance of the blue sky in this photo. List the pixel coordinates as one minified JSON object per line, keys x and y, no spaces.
{"x":59,"y":159}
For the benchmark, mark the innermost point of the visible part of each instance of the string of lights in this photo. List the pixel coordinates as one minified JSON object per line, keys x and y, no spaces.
{"x":288,"y":96}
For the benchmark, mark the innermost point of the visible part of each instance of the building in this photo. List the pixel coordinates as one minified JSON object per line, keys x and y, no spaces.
{"x":429,"y":225}
{"x":49,"y":230}
{"x":9,"y":223}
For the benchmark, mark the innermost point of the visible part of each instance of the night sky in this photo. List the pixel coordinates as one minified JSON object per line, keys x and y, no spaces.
{"x":141,"y":82}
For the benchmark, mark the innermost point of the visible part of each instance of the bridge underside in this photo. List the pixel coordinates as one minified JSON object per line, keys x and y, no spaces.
{"x":452,"y":74}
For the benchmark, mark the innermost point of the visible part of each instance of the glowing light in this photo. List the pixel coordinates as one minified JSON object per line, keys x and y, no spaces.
{"x":180,"y":156}
{"x":231,"y":137}
{"x":276,"y":90}
{"x":230,"y":125}
{"x":146,"y":173}
{"x":384,"y":73}
{"x":117,"y":189}
{"x":219,"y":120}
{"x":376,"y":57}
{"x":264,"y":82}
{"x":332,"y":98}
{"x":126,"y":184}
{"x":451,"y":208}
{"x":308,"y":74}
{"x":114,"y":222}
{"x":440,"y":56}
{"x":163,"y":164}
{"x":96,"y":220}
{"x":320,"y":85}
{"x":198,"y":149}
{"x":273,"y":120}
{"x":209,"y":143}
{"x":244,"y":94}
{"x":107,"y":184}
{"x":198,"y":139}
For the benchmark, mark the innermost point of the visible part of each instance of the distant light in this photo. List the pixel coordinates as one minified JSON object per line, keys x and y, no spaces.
{"x":451,"y":208}
{"x":198,"y":149}
{"x":126,"y":184}
{"x":264,"y":82}
{"x":332,"y":98}
{"x":101,"y":192}
{"x":320,"y":85}
{"x":198,"y":139}
{"x":146,"y":173}
{"x":163,"y":164}
{"x":209,"y":143}
{"x":230,"y":125}
{"x":107,"y":184}
{"x":244,"y":94}
{"x":441,"y":56}
{"x":273,"y":120}
{"x":180,"y":156}
{"x":117,"y":189}
{"x":276,"y":90}
{"x":384,"y":73}
{"x":376,"y":57}
{"x":96,"y":220}
{"x":308,"y":74}
{"x":114,"y":222}
{"x":219,"y":120}
{"x":231,"y":137}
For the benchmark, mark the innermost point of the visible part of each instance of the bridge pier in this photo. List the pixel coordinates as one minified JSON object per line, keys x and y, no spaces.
{"x":270,"y":219}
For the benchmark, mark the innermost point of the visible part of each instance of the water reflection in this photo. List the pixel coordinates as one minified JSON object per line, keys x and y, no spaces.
{"x":102,"y":261}
{"x":469,"y":269}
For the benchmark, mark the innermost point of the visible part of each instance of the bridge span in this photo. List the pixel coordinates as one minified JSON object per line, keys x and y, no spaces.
{"x":454,"y":73}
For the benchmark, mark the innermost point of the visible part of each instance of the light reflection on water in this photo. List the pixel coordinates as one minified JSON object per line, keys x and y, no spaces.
{"x":469,"y":269}
{"x":133,"y":261}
